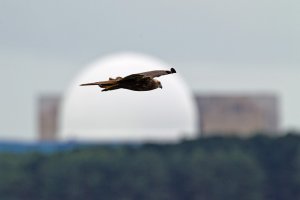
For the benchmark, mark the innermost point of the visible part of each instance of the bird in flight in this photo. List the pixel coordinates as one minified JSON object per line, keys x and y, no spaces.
{"x":138,"y":82}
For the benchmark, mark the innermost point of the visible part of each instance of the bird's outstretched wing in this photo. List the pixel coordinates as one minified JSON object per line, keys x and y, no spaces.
{"x":157,"y":73}
{"x":132,"y":77}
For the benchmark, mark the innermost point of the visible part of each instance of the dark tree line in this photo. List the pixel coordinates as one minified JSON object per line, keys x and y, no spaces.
{"x":258,"y":168}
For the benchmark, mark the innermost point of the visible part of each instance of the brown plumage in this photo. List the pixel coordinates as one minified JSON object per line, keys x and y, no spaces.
{"x":138,"y":82}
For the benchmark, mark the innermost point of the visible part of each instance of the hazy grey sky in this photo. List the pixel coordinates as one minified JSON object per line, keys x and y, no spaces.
{"x":43,"y":44}
{"x":207,"y":30}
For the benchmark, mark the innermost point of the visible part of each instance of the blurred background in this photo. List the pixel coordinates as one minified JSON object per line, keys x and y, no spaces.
{"x":224,"y":127}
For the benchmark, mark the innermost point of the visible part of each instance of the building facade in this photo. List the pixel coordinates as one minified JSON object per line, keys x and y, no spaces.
{"x":48,"y":114}
{"x":244,"y":115}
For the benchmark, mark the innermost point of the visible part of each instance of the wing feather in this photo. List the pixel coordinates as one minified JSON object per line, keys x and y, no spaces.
{"x":157,"y":73}
{"x":132,"y":77}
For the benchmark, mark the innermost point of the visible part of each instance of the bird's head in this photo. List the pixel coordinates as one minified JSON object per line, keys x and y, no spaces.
{"x":159,"y":84}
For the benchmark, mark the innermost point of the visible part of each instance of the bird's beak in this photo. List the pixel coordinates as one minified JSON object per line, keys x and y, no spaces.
{"x":160,"y":86}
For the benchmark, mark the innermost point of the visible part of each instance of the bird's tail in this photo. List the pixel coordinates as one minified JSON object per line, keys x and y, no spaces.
{"x":101,"y":83}
{"x":88,"y":84}
{"x":110,"y":87}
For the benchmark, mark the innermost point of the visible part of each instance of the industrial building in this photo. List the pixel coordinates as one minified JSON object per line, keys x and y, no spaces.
{"x":220,"y":114}
{"x":48,"y":114}
{"x":244,"y":115}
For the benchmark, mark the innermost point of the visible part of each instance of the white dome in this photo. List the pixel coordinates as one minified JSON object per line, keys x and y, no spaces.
{"x":167,"y":114}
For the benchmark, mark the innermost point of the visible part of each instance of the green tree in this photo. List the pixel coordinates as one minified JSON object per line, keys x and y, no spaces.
{"x":217,"y":175}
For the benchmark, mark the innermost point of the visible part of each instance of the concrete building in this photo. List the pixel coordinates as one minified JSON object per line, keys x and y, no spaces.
{"x":48,"y":114}
{"x":242,"y":115}
{"x":238,"y":114}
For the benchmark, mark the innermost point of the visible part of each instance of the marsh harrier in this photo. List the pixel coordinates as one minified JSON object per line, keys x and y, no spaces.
{"x":138,"y":82}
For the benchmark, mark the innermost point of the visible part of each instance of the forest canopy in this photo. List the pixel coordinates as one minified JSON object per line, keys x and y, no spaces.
{"x":214,"y":168}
